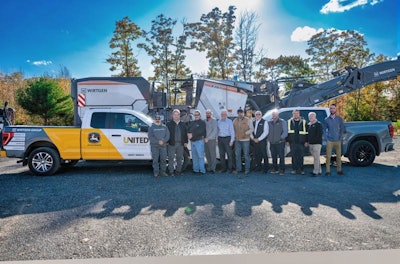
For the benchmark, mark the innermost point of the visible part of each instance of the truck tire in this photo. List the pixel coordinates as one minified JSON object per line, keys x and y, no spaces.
{"x":44,"y":161}
{"x":362,"y":153}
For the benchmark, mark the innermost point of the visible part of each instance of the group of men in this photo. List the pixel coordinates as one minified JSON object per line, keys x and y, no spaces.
{"x":207,"y":134}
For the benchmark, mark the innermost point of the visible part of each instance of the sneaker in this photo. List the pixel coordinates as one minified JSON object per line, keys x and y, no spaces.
{"x":302,"y":173}
{"x":163,"y":174}
{"x":156,"y":175}
{"x":281,"y":173}
{"x":327,"y":174}
{"x":234,"y":172}
{"x":340,"y":173}
{"x":247,"y":173}
{"x":313,"y":174}
{"x":273,"y":171}
{"x":293,"y":172}
{"x":179,"y":173}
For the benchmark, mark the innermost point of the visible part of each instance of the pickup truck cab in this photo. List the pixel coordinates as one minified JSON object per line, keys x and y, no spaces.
{"x":105,"y":134}
{"x":362,"y":140}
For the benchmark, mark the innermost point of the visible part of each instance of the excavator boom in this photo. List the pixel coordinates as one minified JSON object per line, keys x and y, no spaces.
{"x":344,"y":82}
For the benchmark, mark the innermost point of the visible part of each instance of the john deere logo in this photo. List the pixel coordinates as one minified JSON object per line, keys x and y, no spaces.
{"x":94,"y":137}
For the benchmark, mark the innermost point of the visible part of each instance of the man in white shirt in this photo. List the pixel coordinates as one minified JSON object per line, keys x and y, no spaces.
{"x":259,"y":137}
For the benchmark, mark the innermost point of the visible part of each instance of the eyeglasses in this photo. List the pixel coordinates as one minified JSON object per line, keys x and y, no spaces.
{"x":258,"y":114}
{"x":197,"y":115}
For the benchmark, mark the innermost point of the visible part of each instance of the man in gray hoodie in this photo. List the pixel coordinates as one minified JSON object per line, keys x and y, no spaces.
{"x":158,"y":136}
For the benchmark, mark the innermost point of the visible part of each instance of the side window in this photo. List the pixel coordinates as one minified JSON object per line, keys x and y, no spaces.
{"x":117,"y":121}
{"x":98,"y":120}
{"x":286,"y":115}
{"x":133,"y":123}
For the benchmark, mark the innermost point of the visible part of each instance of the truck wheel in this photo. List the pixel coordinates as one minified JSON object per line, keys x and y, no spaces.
{"x":44,"y":161}
{"x":362,"y":153}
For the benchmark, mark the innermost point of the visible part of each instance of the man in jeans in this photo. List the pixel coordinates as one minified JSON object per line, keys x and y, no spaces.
{"x":278,"y":132}
{"x":243,"y":129}
{"x":197,"y":134}
{"x":334,"y":133}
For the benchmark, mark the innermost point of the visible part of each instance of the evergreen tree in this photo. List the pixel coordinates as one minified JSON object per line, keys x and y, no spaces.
{"x":123,"y":59}
{"x":214,"y":35}
{"x":43,"y":97}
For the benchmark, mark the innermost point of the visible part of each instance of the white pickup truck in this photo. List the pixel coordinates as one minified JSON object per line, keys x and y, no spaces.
{"x":362,"y":141}
{"x":105,"y":134}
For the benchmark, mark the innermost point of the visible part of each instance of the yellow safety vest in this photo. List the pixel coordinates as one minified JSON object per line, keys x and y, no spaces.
{"x":301,"y":132}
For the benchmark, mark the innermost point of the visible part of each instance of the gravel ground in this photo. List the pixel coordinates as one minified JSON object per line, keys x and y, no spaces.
{"x":111,"y":209}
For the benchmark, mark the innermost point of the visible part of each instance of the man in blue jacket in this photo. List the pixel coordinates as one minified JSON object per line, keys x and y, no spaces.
{"x":334,"y":133}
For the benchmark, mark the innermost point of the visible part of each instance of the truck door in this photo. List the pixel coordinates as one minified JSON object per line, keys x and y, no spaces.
{"x":94,"y":139}
{"x":127,"y":138}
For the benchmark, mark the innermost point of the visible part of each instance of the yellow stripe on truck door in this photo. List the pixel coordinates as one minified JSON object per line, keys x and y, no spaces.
{"x":97,"y":146}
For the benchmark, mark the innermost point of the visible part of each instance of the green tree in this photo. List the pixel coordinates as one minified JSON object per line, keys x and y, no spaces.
{"x":167,"y":52}
{"x":214,"y":35}
{"x":123,"y":59}
{"x":43,"y":97}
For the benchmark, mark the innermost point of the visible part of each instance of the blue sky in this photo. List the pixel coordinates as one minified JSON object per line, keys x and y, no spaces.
{"x":39,"y":36}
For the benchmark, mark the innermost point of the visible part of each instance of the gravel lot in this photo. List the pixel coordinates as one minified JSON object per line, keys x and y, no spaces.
{"x":111,"y":209}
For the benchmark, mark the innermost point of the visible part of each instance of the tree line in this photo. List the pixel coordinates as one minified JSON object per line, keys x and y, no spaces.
{"x":230,"y":52}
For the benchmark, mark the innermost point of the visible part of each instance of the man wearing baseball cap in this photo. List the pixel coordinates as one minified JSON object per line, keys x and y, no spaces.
{"x":243,"y":129}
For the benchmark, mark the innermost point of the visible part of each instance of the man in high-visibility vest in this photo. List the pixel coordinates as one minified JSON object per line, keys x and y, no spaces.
{"x":297,"y":140}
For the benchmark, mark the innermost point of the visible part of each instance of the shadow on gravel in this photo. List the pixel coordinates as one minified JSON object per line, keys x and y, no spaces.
{"x":99,"y":190}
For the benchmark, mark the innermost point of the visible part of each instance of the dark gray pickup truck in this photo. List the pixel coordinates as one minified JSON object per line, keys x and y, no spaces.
{"x":362,"y":141}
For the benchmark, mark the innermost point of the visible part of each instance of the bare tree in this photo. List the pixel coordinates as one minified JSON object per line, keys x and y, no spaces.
{"x":246,"y":40}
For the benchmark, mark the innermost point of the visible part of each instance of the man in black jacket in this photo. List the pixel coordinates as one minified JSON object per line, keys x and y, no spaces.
{"x":197,"y":134}
{"x":315,"y":141}
{"x":177,"y":141}
{"x":297,"y":139}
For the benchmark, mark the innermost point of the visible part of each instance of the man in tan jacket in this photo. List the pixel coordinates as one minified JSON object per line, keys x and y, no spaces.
{"x":243,"y":129}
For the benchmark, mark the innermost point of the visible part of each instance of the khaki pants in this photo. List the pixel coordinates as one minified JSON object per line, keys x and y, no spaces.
{"x":337,"y":145}
{"x":315,"y":150}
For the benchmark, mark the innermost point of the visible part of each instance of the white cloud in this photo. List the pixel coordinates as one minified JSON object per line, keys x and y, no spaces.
{"x":301,"y":34}
{"x":40,"y":63}
{"x":339,"y":6}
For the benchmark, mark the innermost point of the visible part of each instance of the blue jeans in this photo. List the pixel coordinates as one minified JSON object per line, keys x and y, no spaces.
{"x":245,"y":146}
{"x":198,"y":156}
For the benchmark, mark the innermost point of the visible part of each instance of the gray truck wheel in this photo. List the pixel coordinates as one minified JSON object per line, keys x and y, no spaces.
{"x":44,"y":161}
{"x":362,"y":153}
